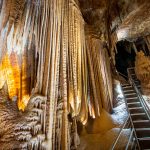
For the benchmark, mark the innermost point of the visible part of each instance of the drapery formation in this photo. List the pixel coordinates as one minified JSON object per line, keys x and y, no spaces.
{"x":100,"y":79}
{"x":46,"y":48}
{"x":17,"y":49}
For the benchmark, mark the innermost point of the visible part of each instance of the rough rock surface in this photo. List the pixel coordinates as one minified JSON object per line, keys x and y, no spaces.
{"x":142,"y":70}
{"x":21,"y":130}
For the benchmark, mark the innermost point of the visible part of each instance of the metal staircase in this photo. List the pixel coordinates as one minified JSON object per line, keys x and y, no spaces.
{"x":139,"y":115}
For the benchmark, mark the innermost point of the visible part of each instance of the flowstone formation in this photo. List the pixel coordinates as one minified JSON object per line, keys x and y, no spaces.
{"x":142,"y":70}
{"x":22,"y":130}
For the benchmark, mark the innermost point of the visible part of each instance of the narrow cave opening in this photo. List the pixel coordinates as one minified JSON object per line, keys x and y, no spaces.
{"x":125,"y":57}
{"x":126,"y":53}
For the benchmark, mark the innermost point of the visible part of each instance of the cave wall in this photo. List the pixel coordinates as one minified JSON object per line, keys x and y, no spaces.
{"x":54,"y":56}
{"x":136,"y":23}
{"x":142,"y":70}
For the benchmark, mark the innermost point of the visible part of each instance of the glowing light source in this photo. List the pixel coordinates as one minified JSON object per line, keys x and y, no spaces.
{"x":122,"y":34}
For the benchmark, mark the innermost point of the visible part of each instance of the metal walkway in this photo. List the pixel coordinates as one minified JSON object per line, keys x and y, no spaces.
{"x":139,"y":115}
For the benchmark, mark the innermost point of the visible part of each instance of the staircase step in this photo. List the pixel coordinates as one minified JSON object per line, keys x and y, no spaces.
{"x":144,"y":143}
{"x":140,"y":121}
{"x":134,"y":108}
{"x":129,"y":91}
{"x":132,"y":95}
{"x":131,"y":68}
{"x":139,"y":117}
{"x":137,"y":81}
{"x":125,"y":85}
{"x":134,"y":77}
{"x":131,"y":105}
{"x":139,"y":110}
{"x":142,"y":124}
{"x":138,"y":114}
{"x":143,"y":134}
{"x":141,"y":129}
{"x":133,"y":74}
{"x":144,"y":138}
{"x":132,"y":71}
{"x":132,"y":100}
{"x":139,"y":86}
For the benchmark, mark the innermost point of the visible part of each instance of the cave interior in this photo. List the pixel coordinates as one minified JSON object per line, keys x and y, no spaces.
{"x":64,"y":65}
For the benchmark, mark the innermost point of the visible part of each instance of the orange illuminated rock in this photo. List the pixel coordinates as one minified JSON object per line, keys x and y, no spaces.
{"x":16,"y":77}
{"x":142,"y":70}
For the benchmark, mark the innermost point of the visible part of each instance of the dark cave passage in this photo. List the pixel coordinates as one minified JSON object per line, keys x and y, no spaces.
{"x":125,"y":57}
{"x":126,"y":52}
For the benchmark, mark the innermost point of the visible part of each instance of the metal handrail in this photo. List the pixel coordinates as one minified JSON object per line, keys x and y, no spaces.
{"x":145,"y":106}
{"x":120,"y":132}
{"x":132,"y":129}
{"x":122,"y":74}
{"x":124,"y":125}
{"x":131,"y":135}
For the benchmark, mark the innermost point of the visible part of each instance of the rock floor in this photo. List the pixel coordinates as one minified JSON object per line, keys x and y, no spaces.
{"x":104,"y":141}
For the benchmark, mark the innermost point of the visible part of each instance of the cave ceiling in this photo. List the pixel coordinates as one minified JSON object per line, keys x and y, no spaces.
{"x":100,"y":12}
{"x":136,"y":24}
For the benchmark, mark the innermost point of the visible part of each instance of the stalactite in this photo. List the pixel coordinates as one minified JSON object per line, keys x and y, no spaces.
{"x":84,"y":81}
{"x":113,"y":47}
{"x":54,"y":58}
{"x":64,"y":46}
{"x":76,"y":26}
{"x":97,"y":98}
{"x":100,"y":75}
